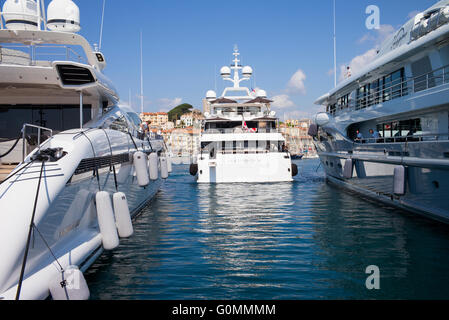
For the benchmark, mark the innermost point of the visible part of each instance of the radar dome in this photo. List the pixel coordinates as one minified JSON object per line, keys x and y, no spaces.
{"x":322,"y":119}
{"x":225,"y":72}
{"x":247,"y":71}
{"x":64,"y":16}
{"x":20,"y":14}
{"x":211,"y":95}
{"x":261,"y":94}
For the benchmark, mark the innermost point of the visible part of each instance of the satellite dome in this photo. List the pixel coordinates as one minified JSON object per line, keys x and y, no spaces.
{"x":211,"y":95}
{"x":261,"y":94}
{"x":14,"y":20}
{"x":64,"y":16}
{"x":247,"y":71}
{"x":322,"y":119}
{"x":225,"y":72}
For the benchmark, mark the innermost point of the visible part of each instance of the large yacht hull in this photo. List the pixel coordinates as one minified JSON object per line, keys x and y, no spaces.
{"x":67,"y":232}
{"x":373,"y":174}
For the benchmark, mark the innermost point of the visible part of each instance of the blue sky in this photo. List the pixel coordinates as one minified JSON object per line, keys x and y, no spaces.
{"x":186,"y":40}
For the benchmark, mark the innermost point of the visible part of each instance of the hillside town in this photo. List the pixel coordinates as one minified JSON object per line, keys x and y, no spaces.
{"x":182,"y":136}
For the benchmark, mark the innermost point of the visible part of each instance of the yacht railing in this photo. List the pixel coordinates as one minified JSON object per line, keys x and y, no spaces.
{"x":237,"y":131}
{"x":432,"y":79}
{"x":430,"y":22}
{"x":37,"y":53}
{"x":39,"y":132}
{"x":411,"y":138}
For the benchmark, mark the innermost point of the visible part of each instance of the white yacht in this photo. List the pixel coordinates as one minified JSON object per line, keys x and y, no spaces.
{"x":240,"y":141}
{"x":385,"y":130}
{"x":76,"y":167}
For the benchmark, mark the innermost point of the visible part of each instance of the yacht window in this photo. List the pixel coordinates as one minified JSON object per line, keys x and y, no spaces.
{"x":113,"y":119}
{"x":421,"y":71}
{"x":384,"y":89}
{"x":135,"y":119}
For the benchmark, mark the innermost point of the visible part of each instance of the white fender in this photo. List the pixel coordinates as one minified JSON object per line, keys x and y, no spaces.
{"x":140,"y":165}
{"x":164,"y":168}
{"x":348,"y":170}
{"x":106,"y":221}
{"x":122,"y":215}
{"x":169,"y":165}
{"x":399,"y":180}
{"x":69,"y":285}
{"x":153,"y":162}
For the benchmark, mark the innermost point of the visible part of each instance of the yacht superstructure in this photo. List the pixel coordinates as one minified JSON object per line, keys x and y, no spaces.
{"x":240,"y":141}
{"x":385,"y":130}
{"x":82,"y":166}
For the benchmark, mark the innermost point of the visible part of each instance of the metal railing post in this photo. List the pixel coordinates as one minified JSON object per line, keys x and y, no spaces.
{"x":23,"y":143}
{"x":81,"y":109}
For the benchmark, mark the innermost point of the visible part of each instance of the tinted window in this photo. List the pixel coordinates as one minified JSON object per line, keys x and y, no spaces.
{"x":57,"y":118}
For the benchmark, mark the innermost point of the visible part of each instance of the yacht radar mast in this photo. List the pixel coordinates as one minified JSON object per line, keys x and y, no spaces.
{"x":236,"y":80}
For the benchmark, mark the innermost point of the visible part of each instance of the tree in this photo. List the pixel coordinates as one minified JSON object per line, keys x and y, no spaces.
{"x":177,"y":112}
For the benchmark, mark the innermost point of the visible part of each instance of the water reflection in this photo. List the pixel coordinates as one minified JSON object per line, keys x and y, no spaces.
{"x":301,"y":240}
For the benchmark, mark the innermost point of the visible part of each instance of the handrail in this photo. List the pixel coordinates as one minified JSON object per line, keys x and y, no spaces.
{"x":432,"y":79}
{"x":237,"y":131}
{"x":39,"y":130}
{"x":412,"y":138}
{"x":65,"y":51}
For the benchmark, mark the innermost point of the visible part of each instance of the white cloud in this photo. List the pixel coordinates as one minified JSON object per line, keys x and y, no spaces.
{"x":298,"y":114}
{"x":358,"y":62}
{"x":413,"y":14}
{"x":296,"y":83}
{"x":166,"y":104}
{"x":378,"y":36}
{"x":282,"y":101}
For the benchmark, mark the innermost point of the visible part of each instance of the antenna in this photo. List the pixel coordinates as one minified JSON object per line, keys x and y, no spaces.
{"x":335,"y":46}
{"x":141,"y":73}
{"x":102,"y":21}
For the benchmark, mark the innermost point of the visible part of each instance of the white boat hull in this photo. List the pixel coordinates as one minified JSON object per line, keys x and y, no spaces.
{"x":245,"y":168}
{"x":66,"y":214}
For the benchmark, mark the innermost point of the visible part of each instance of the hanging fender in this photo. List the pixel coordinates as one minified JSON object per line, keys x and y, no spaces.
{"x":153,"y":162}
{"x":140,"y":165}
{"x":169,"y":165}
{"x":164,"y":168}
{"x":122,"y":215}
{"x":106,"y":221}
{"x":69,"y":285}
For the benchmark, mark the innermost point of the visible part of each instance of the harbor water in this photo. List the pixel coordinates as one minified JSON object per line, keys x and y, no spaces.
{"x":301,"y":240}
